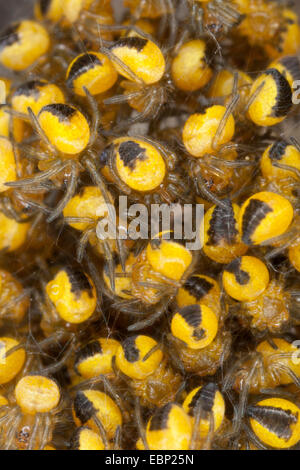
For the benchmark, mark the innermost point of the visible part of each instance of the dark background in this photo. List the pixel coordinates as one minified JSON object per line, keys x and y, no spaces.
{"x":11,"y":10}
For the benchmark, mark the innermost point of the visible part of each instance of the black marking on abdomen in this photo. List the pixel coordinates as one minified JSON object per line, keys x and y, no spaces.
{"x":205,"y":397}
{"x":62,"y":111}
{"x":79,"y":281}
{"x":130,"y":152}
{"x":9,"y":36}
{"x":83,"y":408}
{"x":192,"y":315}
{"x":75,"y":440}
{"x":198,"y":287}
{"x":131,"y":353}
{"x":275,"y":420}
{"x":284,"y":94}
{"x":160,"y":420}
{"x":242,"y":277}
{"x":82,"y":65}
{"x":90,"y":350}
{"x":255,"y":212}
{"x":277,"y":150}
{"x":133,"y":42}
{"x":30,"y":88}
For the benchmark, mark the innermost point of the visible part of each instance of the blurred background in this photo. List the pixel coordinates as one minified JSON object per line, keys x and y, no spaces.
{"x":11,"y":10}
